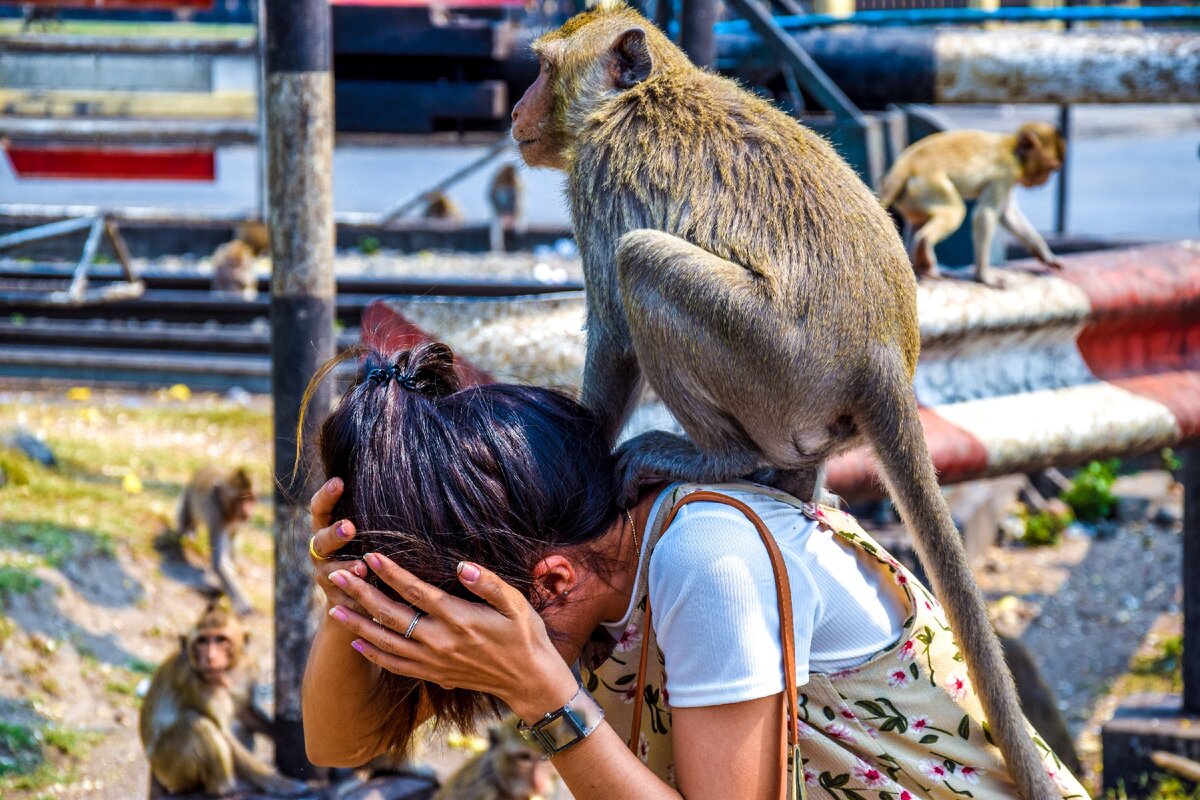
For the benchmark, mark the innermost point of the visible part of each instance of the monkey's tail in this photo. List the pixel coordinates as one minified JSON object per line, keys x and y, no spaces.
{"x":894,"y":428}
{"x":893,"y":186}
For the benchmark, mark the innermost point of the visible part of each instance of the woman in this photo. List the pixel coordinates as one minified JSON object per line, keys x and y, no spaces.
{"x":509,"y":562}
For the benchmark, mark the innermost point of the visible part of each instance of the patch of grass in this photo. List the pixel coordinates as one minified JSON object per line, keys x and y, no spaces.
{"x":140,"y":667}
{"x":73,"y":742}
{"x":369,"y":245}
{"x":1159,"y":670}
{"x":119,"y":687}
{"x":20,"y":750}
{"x":14,"y":581}
{"x":7,"y":629}
{"x":1090,"y":494}
{"x":1162,"y":787}
{"x":1043,"y":528}
{"x":15,"y":467}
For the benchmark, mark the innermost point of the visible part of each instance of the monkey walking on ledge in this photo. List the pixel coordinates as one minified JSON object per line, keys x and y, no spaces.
{"x":932,"y":177}
{"x":737,"y":263}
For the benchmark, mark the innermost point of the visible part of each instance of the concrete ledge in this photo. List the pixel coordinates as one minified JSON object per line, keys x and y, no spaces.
{"x":1142,"y":724}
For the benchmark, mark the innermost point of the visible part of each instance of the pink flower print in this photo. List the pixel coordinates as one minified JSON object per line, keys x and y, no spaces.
{"x":643,"y":747}
{"x":918,"y":725}
{"x":933,"y":769}
{"x":869,"y":775}
{"x":839,"y":731}
{"x":804,"y":730}
{"x":630,"y":693}
{"x":970,"y":774}
{"x":905,"y":794}
{"x":898,"y":677}
{"x":810,"y":777}
{"x":666,"y":696}
{"x":907,"y":651}
{"x":901,"y":578}
{"x":872,"y":731}
{"x":844,"y":712}
{"x":1059,"y":776}
{"x":843,"y":673}
{"x":630,"y":639}
{"x":956,"y":686}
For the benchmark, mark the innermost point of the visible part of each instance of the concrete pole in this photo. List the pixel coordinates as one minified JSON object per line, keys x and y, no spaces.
{"x":299,"y":98}
{"x":1191,"y":579}
{"x":696,"y":36}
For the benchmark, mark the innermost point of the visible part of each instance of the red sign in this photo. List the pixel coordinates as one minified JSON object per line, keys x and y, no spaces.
{"x":153,"y":164}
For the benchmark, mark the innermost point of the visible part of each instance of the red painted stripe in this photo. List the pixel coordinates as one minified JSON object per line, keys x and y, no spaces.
{"x":957,"y":456}
{"x":114,"y":164}
{"x":387,"y":330}
{"x":425,"y":3}
{"x":1145,"y":309}
{"x":110,"y":5}
{"x":1178,"y":391}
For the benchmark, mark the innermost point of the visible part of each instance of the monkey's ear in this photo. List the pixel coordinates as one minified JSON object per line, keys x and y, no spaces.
{"x":1027,"y":142}
{"x":632,"y":57}
{"x":183,"y":643}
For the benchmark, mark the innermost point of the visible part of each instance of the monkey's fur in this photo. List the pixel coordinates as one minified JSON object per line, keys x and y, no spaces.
{"x":931,"y":179}
{"x":504,"y":194}
{"x":737,"y":263}
{"x":440,"y":206}
{"x":196,"y":700}
{"x":233,"y":262}
{"x":508,"y":770}
{"x":220,"y":500}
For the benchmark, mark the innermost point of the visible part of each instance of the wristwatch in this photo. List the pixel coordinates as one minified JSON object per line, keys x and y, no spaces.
{"x":564,"y":727}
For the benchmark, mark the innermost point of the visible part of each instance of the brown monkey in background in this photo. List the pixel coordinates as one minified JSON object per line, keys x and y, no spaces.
{"x":508,"y":770}
{"x":221,"y":501}
{"x":439,"y":206}
{"x":197,"y":699}
{"x":504,"y":194}
{"x":233,"y":262}
{"x":737,"y":262}
{"x":932,"y":177}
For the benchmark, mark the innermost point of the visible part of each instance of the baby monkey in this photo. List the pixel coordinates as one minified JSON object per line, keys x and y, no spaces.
{"x":933,"y":177}
{"x":196,"y":711}
{"x":233,"y":262}
{"x":508,"y":770}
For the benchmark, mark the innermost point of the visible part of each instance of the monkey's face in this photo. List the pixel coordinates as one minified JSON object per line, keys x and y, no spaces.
{"x":213,"y":653}
{"x":1040,"y":151}
{"x":594,"y":55}
{"x":243,"y":507}
{"x":523,"y":773}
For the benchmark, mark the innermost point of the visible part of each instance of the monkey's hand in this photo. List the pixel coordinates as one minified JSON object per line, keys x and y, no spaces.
{"x":328,"y":538}
{"x":1053,"y":261}
{"x":655,"y":456}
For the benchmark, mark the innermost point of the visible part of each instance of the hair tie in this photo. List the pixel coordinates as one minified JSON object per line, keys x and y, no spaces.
{"x":378,"y":376}
{"x":406,"y":380}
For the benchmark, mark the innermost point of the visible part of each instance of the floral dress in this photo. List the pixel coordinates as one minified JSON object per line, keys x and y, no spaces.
{"x":906,"y":724}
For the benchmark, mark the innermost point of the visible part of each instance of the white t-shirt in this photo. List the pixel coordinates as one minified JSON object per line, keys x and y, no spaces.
{"x":716,"y":617}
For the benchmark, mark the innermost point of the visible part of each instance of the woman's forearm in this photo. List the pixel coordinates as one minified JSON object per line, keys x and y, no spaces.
{"x":339,"y":715}
{"x":601,"y":767}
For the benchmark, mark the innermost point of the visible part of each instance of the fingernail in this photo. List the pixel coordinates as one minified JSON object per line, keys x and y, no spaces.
{"x":357,"y":645}
{"x":468,"y":572}
{"x":359,"y":570}
{"x":332,"y":485}
{"x":339,"y":613}
{"x":373,"y":561}
{"x":339,"y":578}
{"x":342,"y":530}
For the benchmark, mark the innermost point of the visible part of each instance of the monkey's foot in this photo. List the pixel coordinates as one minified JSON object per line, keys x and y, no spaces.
{"x":994,"y":282}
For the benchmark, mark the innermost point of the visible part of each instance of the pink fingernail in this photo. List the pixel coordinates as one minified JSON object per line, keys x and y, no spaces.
{"x":359,"y":570}
{"x":340,"y":530}
{"x":339,"y":613}
{"x":468,"y":571}
{"x":373,"y":561}
{"x":332,"y":485}
{"x":357,"y":645}
{"x":339,"y":578}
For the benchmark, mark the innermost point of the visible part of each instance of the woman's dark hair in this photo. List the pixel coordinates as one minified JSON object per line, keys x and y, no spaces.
{"x":435,"y":474}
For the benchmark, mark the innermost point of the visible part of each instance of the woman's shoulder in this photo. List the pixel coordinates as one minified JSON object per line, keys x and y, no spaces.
{"x":706,"y":530}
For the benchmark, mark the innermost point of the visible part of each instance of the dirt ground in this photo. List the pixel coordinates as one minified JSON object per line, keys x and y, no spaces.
{"x":106,"y":607}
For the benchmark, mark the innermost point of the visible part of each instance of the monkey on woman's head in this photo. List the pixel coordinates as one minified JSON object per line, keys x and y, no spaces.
{"x":735,"y":261}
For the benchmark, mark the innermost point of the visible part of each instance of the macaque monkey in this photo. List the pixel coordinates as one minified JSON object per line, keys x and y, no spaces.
{"x":505,"y":198}
{"x":220,"y":501}
{"x":734,"y":260}
{"x":931,"y":179}
{"x":440,"y":206}
{"x":190,"y":718}
{"x":233,"y":262}
{"x":508,"y":770}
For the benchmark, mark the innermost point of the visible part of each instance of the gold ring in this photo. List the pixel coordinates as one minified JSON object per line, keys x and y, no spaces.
{"x":312,"y":550}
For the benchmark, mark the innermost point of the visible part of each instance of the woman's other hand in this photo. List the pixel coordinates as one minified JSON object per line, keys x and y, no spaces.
{"x":328,"y":538}
{"x":500,"y":648}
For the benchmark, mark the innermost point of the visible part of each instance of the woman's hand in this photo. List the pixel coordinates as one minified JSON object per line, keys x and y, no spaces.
{"x":500,"y":648}
{"x":327,"y":539}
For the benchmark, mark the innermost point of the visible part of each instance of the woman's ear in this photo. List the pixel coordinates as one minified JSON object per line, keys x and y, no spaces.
{"x":554,"y":577}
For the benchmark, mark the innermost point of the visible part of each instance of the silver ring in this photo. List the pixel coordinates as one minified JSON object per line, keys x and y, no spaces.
{"x":412,"y":625}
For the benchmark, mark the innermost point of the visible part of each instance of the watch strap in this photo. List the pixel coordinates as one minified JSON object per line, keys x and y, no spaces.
{"x":565,"y":726}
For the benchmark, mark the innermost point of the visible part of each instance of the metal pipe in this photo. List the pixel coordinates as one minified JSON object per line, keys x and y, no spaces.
{"x":1191,"y":578}
{"x":411,"y":202}
{"x":126,"y":45}
{"x":299,"y":96}
{"x":974,"y":16}
{"x":878,"y":66}
{"x":198,"y":133}
{"x":49,"y":231}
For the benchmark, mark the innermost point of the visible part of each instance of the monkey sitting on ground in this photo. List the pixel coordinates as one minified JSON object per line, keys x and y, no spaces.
{"x":220,"y":501}
{"x":734,"y":260}
{"x":233,"y":262}
{"x":505,"y":197}
{"x":189,"y":719}
{"x":932,"y":177}
{"x":508,"y":770}
{"x":439,"y":206}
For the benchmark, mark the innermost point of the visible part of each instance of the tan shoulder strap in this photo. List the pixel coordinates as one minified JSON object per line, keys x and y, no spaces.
{"x":783,"y":594}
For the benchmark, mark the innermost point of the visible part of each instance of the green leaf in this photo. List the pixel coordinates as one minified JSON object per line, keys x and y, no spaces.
{"x":913,"y":669}
{"x":593,"y":683}
{"x":885,"y":796}
{"x":624,"y":679}
{"x":853,"y":794}
{"x":874,"y":709}
{"x":929,"y":738}
{"x":987,"y":734}
{"x":889,"y":725}
{"x":828,"y":712}
{"x":964,"y":727}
